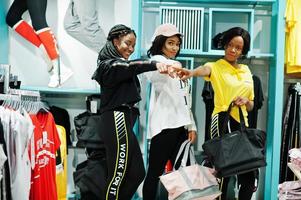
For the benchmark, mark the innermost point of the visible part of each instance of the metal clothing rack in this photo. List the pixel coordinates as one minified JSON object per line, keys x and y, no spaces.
{"x":16,"y":98}
{"x":6,"y":71}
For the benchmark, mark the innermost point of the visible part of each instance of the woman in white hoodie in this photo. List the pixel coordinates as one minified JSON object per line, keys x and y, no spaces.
{"x":170,"y":118}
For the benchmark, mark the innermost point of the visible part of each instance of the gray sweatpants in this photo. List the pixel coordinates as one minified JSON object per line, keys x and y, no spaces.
{"x":81,"y":22}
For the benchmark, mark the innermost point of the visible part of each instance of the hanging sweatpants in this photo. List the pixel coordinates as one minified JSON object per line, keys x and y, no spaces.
{"x":246,"y":181}
{"x":123,"y":155}
{"x":81,"y":22}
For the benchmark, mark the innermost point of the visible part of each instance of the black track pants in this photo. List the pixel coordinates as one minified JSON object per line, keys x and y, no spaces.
{"x":124,"y":159}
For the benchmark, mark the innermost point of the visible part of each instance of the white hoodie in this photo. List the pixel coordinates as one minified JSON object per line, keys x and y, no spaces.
{"x":170,"y":102}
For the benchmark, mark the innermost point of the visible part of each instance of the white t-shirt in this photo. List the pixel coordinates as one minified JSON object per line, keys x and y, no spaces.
{"x":170,"y":102}
{"x":18,"y":130}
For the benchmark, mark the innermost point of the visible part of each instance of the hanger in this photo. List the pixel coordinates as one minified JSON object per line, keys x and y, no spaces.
{"x":30,"y":101}
{"x":297,"y":87}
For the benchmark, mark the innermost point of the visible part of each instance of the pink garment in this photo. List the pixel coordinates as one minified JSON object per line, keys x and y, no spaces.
{"x":194,"y":177}
{"x":289,"y":190}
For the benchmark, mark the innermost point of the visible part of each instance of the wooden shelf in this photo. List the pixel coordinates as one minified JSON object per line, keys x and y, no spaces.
{"x":295,"y":169}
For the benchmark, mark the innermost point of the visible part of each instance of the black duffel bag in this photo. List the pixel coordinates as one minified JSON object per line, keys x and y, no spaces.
{"x":236,"y":152}
{"x":91,"y":175}
{"x":87,"y":126}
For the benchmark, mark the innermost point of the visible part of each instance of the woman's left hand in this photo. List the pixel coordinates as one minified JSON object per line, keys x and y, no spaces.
{"x":192,"y":136}
{"x":240,"y":101}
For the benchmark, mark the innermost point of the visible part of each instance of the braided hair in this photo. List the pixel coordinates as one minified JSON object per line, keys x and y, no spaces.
{"x":118,"y":31}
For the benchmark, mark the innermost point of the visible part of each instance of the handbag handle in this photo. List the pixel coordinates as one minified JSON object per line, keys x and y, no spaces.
{"x":227,"y":118}
{"x":188,"y":154}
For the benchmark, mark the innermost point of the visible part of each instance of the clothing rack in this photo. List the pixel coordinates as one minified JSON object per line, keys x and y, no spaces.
{"x":291,"y":80}
{"x":25,"y":94}
{"x":6,"y":71}
{"x":26,"y":99}
{"x":5,"y":97}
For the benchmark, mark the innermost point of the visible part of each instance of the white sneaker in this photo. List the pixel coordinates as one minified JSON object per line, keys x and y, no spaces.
{"x":66,"y":73}
{"x":54,"y":81}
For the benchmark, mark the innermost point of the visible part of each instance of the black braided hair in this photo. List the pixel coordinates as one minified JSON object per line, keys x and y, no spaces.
{"x":119,"y":30}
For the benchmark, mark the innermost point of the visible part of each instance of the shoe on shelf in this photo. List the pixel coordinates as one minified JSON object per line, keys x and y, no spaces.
{"x":54,"y":81}
{"x":66,"y":73}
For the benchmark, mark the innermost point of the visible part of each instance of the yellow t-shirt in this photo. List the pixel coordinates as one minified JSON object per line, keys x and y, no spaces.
{"x":61,"y":170}
{"x":293,"y":37}
{"x":228,"y":83}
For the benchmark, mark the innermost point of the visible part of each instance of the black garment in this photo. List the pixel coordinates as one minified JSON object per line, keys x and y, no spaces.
{"x":37,"y":12}
{"x":88,"y":130}
{"x":90,"y":176}
{"x":290,"y":132}
{"x":124,"y":159}
{"x":164,"y":147}
{"x":6,"y":177}
{"x":118,"y":78}
{"x":61,"y":117}
{"x":246,"y":180}
{"x":258,"y":102}
{"x":208,"y":98}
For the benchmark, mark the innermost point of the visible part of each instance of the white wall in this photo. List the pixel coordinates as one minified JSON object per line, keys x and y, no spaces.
{"x":27,"y":63}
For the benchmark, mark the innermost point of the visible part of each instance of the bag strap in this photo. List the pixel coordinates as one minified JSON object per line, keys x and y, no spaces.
{"x":182,"y":148}
{"x":187,"y":152}
{"x":227,"y":118}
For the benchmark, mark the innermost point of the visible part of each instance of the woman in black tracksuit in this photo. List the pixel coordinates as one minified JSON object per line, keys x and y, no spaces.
{"x":120,"y":91}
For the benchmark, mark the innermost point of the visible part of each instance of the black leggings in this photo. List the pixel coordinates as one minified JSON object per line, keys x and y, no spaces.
{"x":124,"y":159}
{"x":164,"y":146}
{"x":36,"y":9}
{"x":246,"y":181}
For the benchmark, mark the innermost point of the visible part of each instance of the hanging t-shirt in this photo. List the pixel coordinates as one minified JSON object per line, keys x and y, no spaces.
{"x":45,"y":143}
{"x":5,"y":192}
{"x":22,"y":129}
{"x":61,"y":165}
{"x":61,"y":117}
{"x":293,"y":37}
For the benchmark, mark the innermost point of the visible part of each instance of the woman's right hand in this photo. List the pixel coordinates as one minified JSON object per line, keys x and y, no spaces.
{"x":162,"y":68}
{"x":182,"y":73}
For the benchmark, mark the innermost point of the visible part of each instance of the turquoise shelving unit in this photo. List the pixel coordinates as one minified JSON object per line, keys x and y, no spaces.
{"x":275,"y":56}
{"x":3,"y":34}
{"x":240,"y":17}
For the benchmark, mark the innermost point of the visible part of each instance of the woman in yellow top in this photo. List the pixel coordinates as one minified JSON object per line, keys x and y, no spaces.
{"x":231,"y":82}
